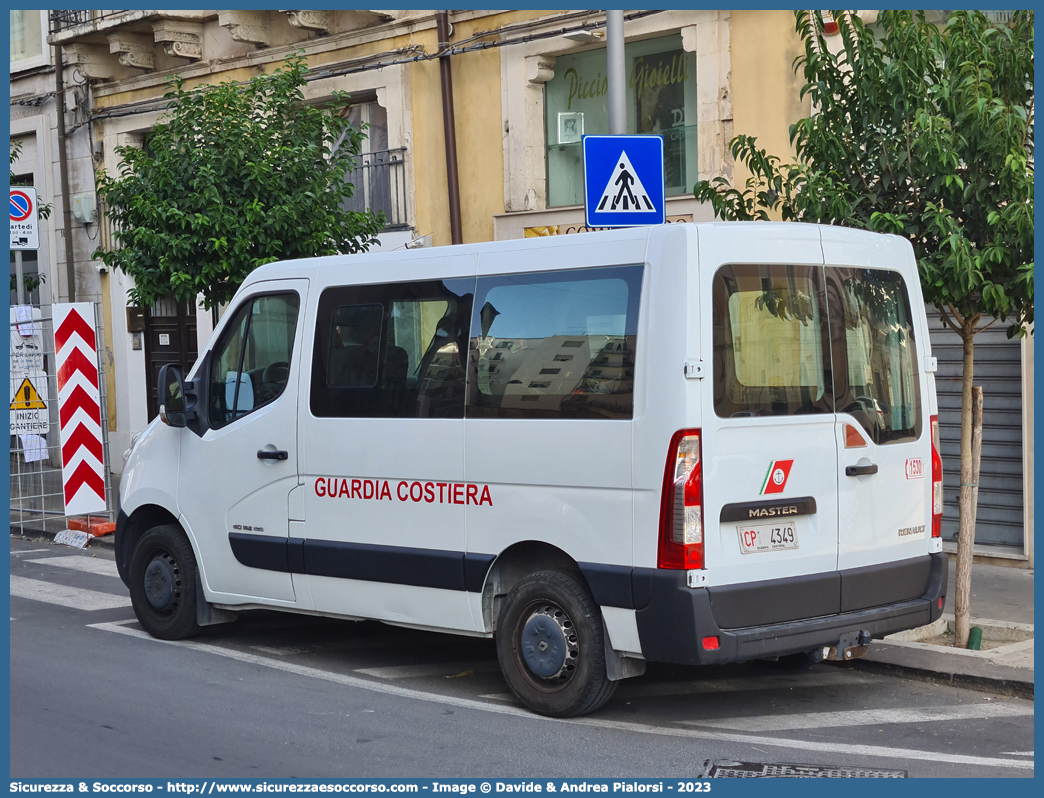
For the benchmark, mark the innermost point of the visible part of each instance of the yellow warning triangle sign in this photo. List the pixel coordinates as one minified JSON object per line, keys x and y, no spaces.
{"x":27,"y":398}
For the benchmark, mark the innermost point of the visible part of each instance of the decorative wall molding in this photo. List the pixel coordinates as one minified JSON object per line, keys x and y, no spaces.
{"x":540,"y":68}
{"x":179,"y":39}
{"x":309,"y":20}
{"x":246,"y":26}
{"x":132,"y":50}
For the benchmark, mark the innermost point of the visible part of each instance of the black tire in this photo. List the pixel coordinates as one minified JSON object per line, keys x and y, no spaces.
{"x":163,"y":583}
{"x":568,"y":676}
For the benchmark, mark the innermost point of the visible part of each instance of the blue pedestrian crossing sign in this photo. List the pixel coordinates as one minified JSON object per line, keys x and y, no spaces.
{"x":623,"y":181}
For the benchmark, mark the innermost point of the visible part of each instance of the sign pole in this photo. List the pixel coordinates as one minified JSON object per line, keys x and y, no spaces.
{"x":616,"y":72}
{"x":20,"y":285}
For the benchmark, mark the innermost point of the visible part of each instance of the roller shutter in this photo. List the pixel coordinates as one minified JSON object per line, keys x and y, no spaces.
{"x":998,"y":369}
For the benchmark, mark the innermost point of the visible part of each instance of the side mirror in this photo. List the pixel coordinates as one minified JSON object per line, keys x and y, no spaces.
{"x":173,"y":407}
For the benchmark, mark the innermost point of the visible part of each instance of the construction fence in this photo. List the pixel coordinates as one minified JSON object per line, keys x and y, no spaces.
{"x":43,"y":498}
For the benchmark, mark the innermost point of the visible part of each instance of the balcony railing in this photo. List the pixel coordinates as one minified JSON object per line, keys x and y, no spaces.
{"x":64,"y":20}
{"x":380,"y":185}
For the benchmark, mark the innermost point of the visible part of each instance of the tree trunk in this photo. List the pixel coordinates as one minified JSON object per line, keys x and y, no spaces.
{"x":976,"y":448}
{"x":966,"y":525}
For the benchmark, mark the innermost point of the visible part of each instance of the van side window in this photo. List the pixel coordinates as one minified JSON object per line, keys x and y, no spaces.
{"x":555,"y":344}
{"x":876,"y":378}
{"x":355,"y":342}
{"x":771,"y":354}
{"x":251,"y":365}
{"x":392,"y":351}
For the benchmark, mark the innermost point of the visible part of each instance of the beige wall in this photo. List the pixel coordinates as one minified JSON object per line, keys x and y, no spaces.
{"x":480,"y":138}
{"x":765,"y":90}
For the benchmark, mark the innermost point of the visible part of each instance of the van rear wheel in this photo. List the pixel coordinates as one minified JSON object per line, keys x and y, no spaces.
{"x":163,"y":583}
{"x":550,"y":643}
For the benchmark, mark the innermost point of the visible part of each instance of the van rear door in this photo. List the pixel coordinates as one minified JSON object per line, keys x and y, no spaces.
{"x":769,"y":457}
{"x":883,"y":430}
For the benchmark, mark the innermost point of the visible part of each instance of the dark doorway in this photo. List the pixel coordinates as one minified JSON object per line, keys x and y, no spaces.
{"x":170,"y":337}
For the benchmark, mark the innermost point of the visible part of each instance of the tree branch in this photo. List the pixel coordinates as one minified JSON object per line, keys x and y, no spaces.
{"x":985,"y":327}
{"x":957,"y":316}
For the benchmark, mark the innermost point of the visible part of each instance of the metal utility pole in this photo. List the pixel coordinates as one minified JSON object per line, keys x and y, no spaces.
{"x":20,"y":285}
{"x":449,"y":127}
{"x":63,"y":168}
{"x":614,"y":56}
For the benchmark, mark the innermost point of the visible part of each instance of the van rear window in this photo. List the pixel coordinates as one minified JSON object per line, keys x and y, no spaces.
{"x":771,"y":353}
{"x":555,"y":344}
{"x":876,"y":380}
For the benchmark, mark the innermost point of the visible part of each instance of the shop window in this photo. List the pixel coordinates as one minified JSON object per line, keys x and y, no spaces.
{"x":661,"y":100}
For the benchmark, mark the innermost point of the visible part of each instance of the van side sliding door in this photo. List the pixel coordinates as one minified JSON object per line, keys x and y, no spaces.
{"x":382,"y":454}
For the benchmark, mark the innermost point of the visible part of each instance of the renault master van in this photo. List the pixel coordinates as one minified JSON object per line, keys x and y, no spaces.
{"x":689,"y":443}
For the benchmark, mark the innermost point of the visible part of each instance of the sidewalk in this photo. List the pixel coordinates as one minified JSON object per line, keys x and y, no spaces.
{"x":1002,"y":606}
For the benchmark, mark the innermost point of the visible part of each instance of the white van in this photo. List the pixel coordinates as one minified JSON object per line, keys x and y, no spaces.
{"x":690,"y":443}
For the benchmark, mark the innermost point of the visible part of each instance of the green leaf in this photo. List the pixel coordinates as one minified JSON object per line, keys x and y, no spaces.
{"x":219,"y":190}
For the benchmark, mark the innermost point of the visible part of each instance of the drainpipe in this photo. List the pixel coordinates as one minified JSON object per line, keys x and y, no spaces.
{"x":63,"y":169}
{"x":449,"y":128}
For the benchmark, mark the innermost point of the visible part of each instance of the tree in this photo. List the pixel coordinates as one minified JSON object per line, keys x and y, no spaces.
{"x":926,"y":133}
{"x":30,"y":281}
{"x":233,"y":177}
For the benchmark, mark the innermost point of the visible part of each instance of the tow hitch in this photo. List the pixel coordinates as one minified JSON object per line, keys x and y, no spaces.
{"x":852,"y":645}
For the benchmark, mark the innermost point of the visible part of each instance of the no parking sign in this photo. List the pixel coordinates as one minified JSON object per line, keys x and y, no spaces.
{"x":25,"y":232}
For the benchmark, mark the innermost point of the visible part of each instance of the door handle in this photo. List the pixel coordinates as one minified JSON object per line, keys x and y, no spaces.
{"x":279,"y":454}
{"x":850,"y":471}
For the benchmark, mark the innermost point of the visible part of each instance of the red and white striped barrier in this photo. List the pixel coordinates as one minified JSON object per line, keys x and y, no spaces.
{"x":79,"y":408}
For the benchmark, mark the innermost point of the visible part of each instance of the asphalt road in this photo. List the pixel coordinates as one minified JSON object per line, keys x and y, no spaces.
{"x":278,"y":695}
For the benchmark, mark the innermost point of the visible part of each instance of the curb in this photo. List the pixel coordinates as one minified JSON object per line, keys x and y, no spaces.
{"x":999,"y":680}
{"x":106,"y":542}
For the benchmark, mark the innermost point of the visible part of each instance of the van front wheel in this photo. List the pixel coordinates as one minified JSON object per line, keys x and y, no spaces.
{"x":163,"y":584}
{"x":551,"y":646}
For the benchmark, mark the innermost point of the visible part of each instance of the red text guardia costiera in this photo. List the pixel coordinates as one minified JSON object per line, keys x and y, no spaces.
{"x":404,"y":491}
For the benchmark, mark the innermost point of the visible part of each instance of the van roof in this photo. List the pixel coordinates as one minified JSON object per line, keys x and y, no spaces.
{"x":289,"y":268}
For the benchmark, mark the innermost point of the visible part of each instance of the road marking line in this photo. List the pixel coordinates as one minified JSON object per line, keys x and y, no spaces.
{"x":615,"y":725}
{"x":76,"y":598}
{"x":829,"y":678}
{"x":1017,"y":753}
{"x":280,"y":652}
{"x":89,"y":565}
{"x":865,"y":717}
{"x":437,"y":669}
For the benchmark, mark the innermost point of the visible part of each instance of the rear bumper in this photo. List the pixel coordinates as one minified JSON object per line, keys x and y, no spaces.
{"x":675,"y":619}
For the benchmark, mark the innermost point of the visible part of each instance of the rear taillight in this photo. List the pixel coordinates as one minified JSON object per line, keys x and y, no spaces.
{"x":681,"y":504}
{"x":937,"y":486}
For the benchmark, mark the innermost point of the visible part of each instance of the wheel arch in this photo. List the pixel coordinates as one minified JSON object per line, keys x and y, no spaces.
{"x":516,"y":562}
{"x":130,"y":528}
